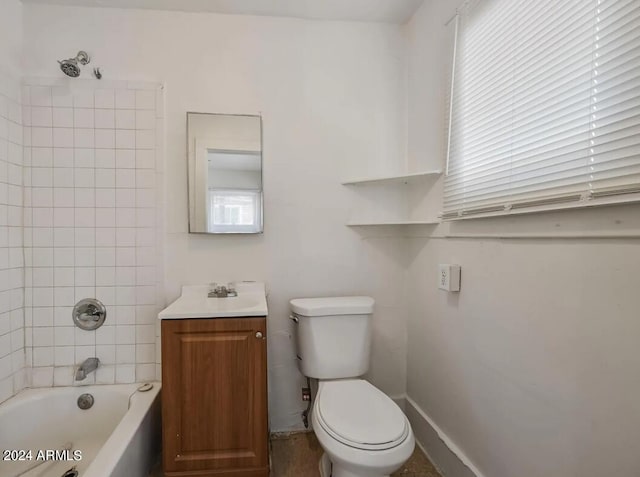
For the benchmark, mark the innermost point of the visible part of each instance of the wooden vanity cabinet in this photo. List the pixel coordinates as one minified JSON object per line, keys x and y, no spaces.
{"x":214,"y":397}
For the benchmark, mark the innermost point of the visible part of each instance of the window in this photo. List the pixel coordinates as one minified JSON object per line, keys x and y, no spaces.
{"x":237,"y":211}
{"x":545,"y":106}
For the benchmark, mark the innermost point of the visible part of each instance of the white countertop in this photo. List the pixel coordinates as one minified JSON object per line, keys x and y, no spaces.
{"x":194,"y":303}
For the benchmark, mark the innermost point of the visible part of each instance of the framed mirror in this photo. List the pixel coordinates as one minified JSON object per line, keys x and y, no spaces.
{"x":225,"y":173}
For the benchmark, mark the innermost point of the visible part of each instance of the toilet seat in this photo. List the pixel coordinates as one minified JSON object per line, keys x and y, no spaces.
{"x":359,"y":415}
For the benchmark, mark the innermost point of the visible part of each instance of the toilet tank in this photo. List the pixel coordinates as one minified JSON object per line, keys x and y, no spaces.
{"x":333,"y":335}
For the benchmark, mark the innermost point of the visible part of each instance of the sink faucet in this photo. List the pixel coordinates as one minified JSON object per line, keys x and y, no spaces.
{"x":88,"y":365}
{"x":220,"y":291}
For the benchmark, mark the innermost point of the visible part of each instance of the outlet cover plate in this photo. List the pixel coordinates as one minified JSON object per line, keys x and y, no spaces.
{"x":449,"y":277}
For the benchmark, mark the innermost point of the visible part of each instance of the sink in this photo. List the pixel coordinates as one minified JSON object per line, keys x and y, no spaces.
{"x":194,"y":303}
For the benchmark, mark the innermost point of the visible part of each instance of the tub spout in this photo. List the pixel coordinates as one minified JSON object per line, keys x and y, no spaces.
{"x":88,"y":365}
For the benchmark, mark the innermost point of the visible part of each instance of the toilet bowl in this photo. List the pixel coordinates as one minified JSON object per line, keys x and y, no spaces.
{"x":362,"y":431}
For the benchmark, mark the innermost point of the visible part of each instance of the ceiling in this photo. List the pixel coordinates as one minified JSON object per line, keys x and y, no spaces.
{"x":385,"y":11}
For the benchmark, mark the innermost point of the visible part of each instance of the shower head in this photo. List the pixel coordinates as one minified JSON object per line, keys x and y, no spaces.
{"x":70,"y":67}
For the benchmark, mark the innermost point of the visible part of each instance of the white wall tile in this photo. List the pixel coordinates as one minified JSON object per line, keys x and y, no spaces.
{"x":85,"y":256}
{"x":125,"y":178}
{"x":145,"y":139}
{"x":105,"y":178}
{"x":62,"y":117}
{"x":145,"y":372}
{"x":42,"y":157}
{"x":63,"y":237}
{"x":65,"y":335}
{"x":125,"y":99}
{"x":42,"y":336}
{"x":63,"y":177}
{"x":105,"y":119}
{"x":106,"y":257}
{"x":83,"y":118}
{"x":145,"y":120}
{"x":84,"y":158}
{"x":105,"y":139}
{"x":85,"y":217}
{"x":41,"y":116}
{"x":125,"y":119}
{"x":41,"y":137}
{"x":62,"y":217}
{"x":63,"y":276}
{"x":84,"y":178}
{"x":64,"y":356}
{"x":125,"y":198}
{"x":63,"y":137}
{"x":126,"y":237}
{"x":84,"y":137}
{"x":43,"y":356}
{"x":84,"y":197}
{"x":125,"y":158}
{"x":125,"y":139}
{"x":42,"y":377}
{"x":87,"y":226}
{"x":125,"y":217}
{"x":105,"y":158}
{"x":63,"y":376}
{"x":63,"y":257}
{"x":84,"y":338}
{"x":63,"y":197}
{"x":106,"y":334}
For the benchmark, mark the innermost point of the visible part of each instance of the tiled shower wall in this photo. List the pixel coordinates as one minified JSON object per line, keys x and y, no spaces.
{"x":12,"y":332}
{"x":91,"y":226}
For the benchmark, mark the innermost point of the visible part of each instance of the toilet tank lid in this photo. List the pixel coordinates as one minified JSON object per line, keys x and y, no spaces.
{"x":331,"y":306}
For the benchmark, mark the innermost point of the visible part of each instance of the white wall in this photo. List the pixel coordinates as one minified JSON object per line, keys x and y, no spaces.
{"x":332,"y":96}
{"x":532,"y":369}
{"x":12,"y":344}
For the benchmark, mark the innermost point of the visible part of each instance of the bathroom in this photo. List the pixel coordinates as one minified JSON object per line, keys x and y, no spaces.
{"x":529,"y":369}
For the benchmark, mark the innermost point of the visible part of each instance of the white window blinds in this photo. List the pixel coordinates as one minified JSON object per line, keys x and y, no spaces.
{"x":545,"y":106}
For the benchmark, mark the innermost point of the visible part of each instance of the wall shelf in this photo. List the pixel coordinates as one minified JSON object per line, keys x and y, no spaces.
{"x":399,"y":179}
{"x":387,"y":201}
{"x":400,"y":222}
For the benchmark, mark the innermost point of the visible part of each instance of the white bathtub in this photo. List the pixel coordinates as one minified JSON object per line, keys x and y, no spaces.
{"x":116,"y":439}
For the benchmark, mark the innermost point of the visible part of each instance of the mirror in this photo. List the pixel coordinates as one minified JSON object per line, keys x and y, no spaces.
{"x":225,"y":173}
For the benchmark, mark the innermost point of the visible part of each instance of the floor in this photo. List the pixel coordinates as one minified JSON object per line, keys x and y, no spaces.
{"x":297,"y":455}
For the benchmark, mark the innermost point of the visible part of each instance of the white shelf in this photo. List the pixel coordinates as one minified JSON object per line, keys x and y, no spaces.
{"x":401,"y":179}
{"x":408,"y":222}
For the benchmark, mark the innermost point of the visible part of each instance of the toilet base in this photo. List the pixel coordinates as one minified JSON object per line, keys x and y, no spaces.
{"x":325,"y":465}
{"x":327,"y":469}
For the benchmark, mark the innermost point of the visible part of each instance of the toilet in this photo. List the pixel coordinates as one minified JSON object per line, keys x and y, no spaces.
{"x":362,"y":431}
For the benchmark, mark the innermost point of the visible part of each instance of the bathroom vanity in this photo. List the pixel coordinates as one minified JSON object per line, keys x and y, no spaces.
{"x":214,"y":375}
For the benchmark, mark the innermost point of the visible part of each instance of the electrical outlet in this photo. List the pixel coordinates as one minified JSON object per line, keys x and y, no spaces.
{"x":449,"y":277}
{"x":306,"y":394}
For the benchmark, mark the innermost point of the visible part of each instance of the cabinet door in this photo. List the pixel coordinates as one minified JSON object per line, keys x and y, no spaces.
{"x":214,"y":397}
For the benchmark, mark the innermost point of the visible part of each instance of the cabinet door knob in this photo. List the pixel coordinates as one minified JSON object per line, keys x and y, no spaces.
{"x":259,"y":335}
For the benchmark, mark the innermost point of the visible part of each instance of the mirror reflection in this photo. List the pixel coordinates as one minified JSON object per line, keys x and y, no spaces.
{"x":225,"y":173}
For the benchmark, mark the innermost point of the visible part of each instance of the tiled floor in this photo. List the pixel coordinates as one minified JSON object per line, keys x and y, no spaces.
{"x":297,"y":455}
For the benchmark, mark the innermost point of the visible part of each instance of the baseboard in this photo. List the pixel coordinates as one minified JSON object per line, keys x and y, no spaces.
{"x":441,"y":450}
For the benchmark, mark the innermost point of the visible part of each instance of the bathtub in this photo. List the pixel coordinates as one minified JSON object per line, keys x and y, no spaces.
{"x":111,"y":439}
